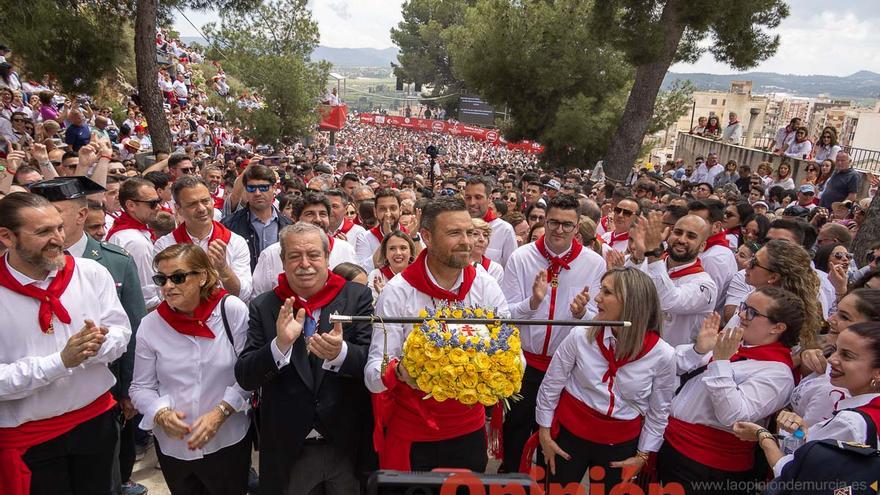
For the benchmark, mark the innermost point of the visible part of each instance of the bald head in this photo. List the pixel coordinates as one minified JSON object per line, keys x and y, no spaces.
{"x":696,"y":224}
{"x":687,"y":239}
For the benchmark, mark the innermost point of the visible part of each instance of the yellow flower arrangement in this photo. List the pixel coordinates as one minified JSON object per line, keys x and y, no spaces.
{"x":467,"y":363}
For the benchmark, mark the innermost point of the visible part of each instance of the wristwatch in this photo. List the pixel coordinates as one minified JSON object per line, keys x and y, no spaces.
{"x":224,"y":410}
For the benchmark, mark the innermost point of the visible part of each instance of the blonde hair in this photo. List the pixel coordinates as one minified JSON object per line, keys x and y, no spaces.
{"x":792,"y":263}
{"x":587,"y":231}
{"x":481,"y":224}
{"x":641,"y":307}
{"x":194,"y":259}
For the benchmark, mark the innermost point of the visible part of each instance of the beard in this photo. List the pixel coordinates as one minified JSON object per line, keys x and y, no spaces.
{"x":42,"y":259}
{"x":456,"y":259}
{"x":681,"y":258}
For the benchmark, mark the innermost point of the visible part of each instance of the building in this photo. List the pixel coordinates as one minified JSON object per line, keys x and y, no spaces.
{"x":738,"y":99}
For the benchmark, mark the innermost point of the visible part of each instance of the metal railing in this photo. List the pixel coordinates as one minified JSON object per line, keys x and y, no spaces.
{"x":864,"y":160}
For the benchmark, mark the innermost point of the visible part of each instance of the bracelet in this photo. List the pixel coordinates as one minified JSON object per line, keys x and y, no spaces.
{"x":109,"y":157}
{"x":642,"y":455}
{"x":160,"y":413}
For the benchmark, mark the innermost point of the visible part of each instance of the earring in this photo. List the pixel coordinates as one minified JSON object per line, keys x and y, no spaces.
{"x":873,"y":382}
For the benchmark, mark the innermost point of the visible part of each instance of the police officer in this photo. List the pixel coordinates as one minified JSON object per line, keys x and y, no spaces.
{"x":68,"y":195}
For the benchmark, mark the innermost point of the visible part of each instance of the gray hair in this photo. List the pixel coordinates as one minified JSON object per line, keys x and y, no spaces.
{"x":301,"y":228}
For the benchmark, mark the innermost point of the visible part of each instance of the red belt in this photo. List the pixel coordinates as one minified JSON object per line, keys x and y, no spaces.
{"x":538,"y":361}
{"x":15,"y":477}
{"x":710,"y":446}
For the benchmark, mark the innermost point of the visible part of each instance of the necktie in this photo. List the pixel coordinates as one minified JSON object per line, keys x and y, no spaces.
{"x":309,"y":326}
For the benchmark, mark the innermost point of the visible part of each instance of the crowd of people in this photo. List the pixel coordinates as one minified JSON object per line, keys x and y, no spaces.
{"x":191,"y":298}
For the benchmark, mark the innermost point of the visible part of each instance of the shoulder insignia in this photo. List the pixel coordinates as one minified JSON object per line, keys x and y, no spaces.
{"x":94,"y":252}
{"x":113,"y":248}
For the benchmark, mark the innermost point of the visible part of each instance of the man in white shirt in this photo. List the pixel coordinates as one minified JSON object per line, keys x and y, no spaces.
{"x":784,"y":136}
{"x":624,"y":214}
{"x":502,"y":243}
{"x":551,"y":278}
{"x":228,"y":251}
{"x":733,"y":132}
{"x":713,"y":167}
{"x":64,"y":326}
{"x":341,"y":227}
{"x":687,"y":293}
{"x":717,"y":257}
{"x":131,"y":231}
{"x":388,"y":214}
{"x":181,"y":92}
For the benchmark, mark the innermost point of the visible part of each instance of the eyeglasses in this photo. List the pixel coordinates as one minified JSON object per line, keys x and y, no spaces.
{"x":753,"y":262}
{"x":749,"y":313}
{"x":511,"y":200}
{"x":623,"y":211}
{"x":153,"y":203}
{"x":186,"y":170}
{"x":566,"y":227}
{"x":176,"y":278}
{"x":17,"y":121}
{"x":871,"y":257}
{"x":842,"y":256}
{"x":262,"y":188}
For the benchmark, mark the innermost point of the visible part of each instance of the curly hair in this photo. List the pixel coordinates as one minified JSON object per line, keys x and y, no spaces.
{"x":792,"y":263}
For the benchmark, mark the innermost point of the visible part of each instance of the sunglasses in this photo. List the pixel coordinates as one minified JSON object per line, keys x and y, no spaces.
{"x":153,"y":203}
{"x":870,"y":257}
{"x":842,"y":256}
{"x":753,"y":262}
{"x":749,"y":313}
{"x":262,"y":188}
{"x":623,"y":211}
{"x":176,"y":278}
{"x":17,"y":120}
{"x":186,"y":170}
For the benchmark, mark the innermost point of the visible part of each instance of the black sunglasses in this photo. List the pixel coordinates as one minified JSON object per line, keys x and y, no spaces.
{"x":623,"y":211}
{"x":261,"y":188}
{"x":153,"y":203}
{"x":176,"y":278}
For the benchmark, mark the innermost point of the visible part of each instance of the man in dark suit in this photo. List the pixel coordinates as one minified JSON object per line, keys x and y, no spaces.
{"x":315,"y":407}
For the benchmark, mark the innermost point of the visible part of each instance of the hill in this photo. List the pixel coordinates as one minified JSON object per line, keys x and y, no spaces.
{"x":339,"y":57}
{"x":862,"y":84}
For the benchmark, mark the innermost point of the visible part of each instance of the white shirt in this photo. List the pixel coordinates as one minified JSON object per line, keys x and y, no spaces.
{"x":685,"y":301}
{"x":139,"y":246}
{"x":238,"y":257}
{"x":365,"y":246}
{"x":825,"y":153}
{"x":783,"y":137}
{"x":619,"y":245}
{"x":400,"y":299}
{"x":720,"y":264}
{"x":191,"y":375}
{"x":644,"y":387}
{"x":519,"y":276}
{"x":815,"y":399}
{"x":845,"y":426}
{"x":269,"y":264}
{"x":732,"y":133}
{"x":701,"y":174}
{"x":180,"y":89}
{"x":371,"y":282}
{"x":799,"y":149}
{"x":34,"y":383}
{"x":738,"y":290}
{"x":352,"y":234}
{"x":502,"y":243}
{"x":494,"y":269}
{"x":715,"y":171}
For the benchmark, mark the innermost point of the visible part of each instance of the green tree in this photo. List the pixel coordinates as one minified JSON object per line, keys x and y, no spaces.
{"x":267,"y":49}
{"x":657,"y":33}
{"x":541,"y":61}
{"x":79,"y":43}
{"x":671,"y":105}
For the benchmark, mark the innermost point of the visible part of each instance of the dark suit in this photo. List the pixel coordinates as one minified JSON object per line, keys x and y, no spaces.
{"x":302,"y":396}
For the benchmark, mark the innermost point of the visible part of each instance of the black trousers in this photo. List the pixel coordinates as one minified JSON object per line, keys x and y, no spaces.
{"x":126,"y":449}
{"x":519,"y":421}
{"x":79,"y":462}
{"x":699,"y":479}
{"x":224,"y":472}
{"x":464,"y":452}
{"x":585,"y":455}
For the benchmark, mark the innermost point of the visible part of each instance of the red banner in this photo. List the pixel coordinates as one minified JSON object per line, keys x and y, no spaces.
{"x":332,"y":117}
{"x":477,"y":133}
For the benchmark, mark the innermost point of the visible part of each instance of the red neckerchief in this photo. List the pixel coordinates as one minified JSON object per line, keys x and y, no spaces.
{"x":486,"y":262}
{"x":872,"y":409}
{"x":197,"y":324}
{"x":387,"y":272}
{"x":127,"y":222}
{"x":357,"y":220}
{"x":735,"y":231}
{"x":615,"y":237}
{"x":417,"y":276}
{"x":181,"y":236}
{"x":650,"y":340}
{"x":604,"y":222}
{"x":377,"y":231}
{"x":600,"y":239}
{"x":345,"y":227}
{"x":50,"y":298}
{"x":557,"y":264}
{"x":768,"y":352}
{"x":318,"y":300}
{"x":697,"y":267}
{"x":489,"y":216}
{"x":719,"y":239}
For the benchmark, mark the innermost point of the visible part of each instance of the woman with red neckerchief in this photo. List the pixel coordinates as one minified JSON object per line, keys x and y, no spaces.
{"x":396,"y":252}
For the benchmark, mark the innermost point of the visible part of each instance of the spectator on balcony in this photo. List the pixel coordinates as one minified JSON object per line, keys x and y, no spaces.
{"x":801,"y":147}
{"x":713,"y":128}
{"x":784,"y":136}
{"x":728,"y":176}
{"x":783,"y":177}
{"x":700,"y":128}
{"x":331,"y":98}
{"x":843,"y":184}
{"x":734,"y":131}
{"x":826,"y":147}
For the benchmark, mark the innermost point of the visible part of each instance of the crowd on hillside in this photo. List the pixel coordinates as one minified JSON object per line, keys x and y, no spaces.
{"x":190,"y":296}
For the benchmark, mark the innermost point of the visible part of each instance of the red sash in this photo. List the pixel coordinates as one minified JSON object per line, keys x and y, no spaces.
{"x":197,"y":324}
{"x":126,"y":222}
{"x":318,"y":300}
{"x":585,"y":423}
{"x":15,"y":477}
{"x":486,"y":262}
{"x":557,"y":264}
{"x":405,"y":416}
{"x":719,"y":239}
{"x":417,"y":276}
{"x":181,"y":236}
{"x":617,"y":237}
{"x":50,"y":298}
{"x":387,"y":272}
{"x":614,"y":364}
{"x":345,"y":227}
{"x":489,"y":216}
{"x":538,"y":361}
{"x":697,"y":267}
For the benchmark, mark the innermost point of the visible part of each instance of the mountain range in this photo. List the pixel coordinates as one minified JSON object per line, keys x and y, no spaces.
{"x":862,"y":84}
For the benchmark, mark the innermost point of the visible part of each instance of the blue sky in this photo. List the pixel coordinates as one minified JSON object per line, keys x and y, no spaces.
{"x":819,"y":37}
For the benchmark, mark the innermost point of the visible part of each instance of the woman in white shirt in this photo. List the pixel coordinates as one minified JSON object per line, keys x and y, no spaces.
{"x":482,"y":234}
{"x":396,"y":252}
{"x":801,"y":147}
{"x":826,"y":148}
{"x":605,"y":398}
{"x":184,"y":382}
{"x":783,"y":177}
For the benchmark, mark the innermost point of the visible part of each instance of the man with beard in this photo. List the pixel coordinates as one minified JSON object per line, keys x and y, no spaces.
{"x":388,"y":214}
{"x":503,"y":240}
{"x":228,"y":251}
{"x":314,"y":209}
{"x":63,"y":326}
{"x":214,"y":178}
{"x":687,"y":293}
{"x":717,"y":257}
{"x":551,"y":278}
{"x":456,"y":437}
{"x":131,"y":231}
